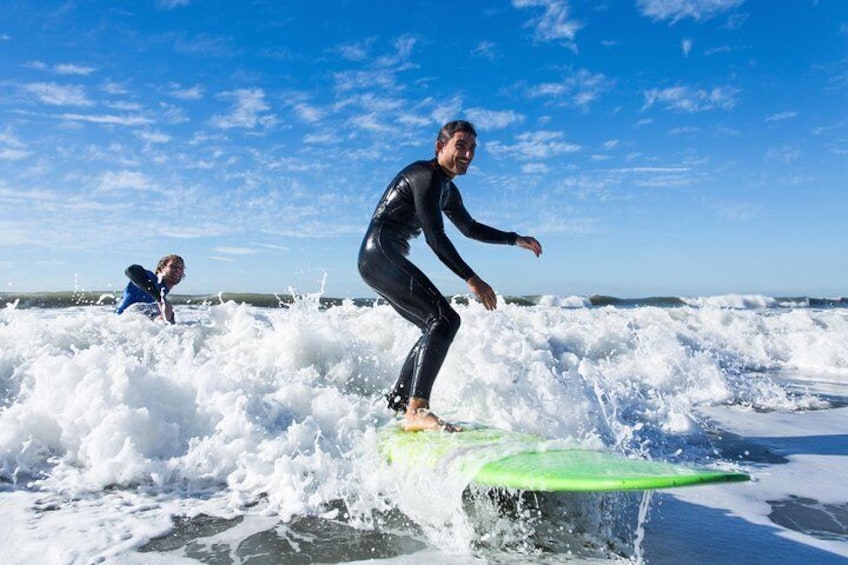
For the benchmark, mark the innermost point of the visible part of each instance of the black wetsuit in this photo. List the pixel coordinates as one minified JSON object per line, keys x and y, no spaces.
{"x":414,"y":202}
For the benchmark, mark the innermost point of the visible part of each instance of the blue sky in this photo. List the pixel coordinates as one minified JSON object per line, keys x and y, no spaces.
{"x":654,"y":147}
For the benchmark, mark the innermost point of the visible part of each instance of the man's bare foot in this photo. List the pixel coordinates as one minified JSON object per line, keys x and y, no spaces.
{"x":423,"y":419}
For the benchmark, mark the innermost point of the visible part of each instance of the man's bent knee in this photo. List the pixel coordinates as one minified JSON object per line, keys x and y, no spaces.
{"x":447,"y":324}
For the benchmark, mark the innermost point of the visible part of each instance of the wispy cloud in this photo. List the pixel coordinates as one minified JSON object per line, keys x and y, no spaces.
{"x":308,"y":113}
{"x":554,"y":23}
{"x":534,"y":145}
{"x":58,"y":94}
{"x":107,"y":119}
{"x":676,"y":10}
{"x":124,"y":180}
{"x":535,"y":169}
{"x":11,"y":148}
{"x":248,"y":110}
{"x":580,"y":89}
{"x":686,"y":99}
{"x":484,"y":49}
{"x":786,"y":154}
{"x":781,"y":116}
{"x":154,"y":137}
{"x":69,"y":69}
{"x":357,"y":51}
{"x":492,"y":120}
{"x":171,"y":4}
{"x":11,"y":154}
{"x":190,"y":93}
{"x":235,"y":250}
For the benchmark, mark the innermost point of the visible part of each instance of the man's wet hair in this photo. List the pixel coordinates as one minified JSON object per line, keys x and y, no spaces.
{"x":164,"y":261}
{"x":451,"y":128}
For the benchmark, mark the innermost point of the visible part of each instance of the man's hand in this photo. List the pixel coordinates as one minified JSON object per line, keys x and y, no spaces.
{"x":483,"y":292}
{"x":167,"y":312}
{"x":530,"y":243}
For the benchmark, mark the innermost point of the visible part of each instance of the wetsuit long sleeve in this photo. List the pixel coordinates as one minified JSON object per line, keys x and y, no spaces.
{"x":146,"y":281}
{"x":428,"y":205}
{"x":468,"y":226}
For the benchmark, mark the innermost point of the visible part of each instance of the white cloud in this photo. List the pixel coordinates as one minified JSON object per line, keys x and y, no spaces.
{"x":786,"y":154}
{"x":59,"y":95}
{"x":171,"y":4}
{"x":688,"y":99}
{"x":779,"y":117}
{"x":11,"y":148}
{"x":107,"y":119}
{"x":123,"y":180}
{"x":235,"y":250}
{"x":535,"y":169}
{"x":9,"y":154}
{"x":580,"y":89}
{"x":154,"y":137}
{"x":369,"y":122}
{"x":319,"y":138}
{"x":447,"y":110}
{"x":114,"y":88}
{"x":534,"y":145}
{"x":676,"y":10}
{"x":490,"y":119}
{"x":308,"y":113}
{"x":686,"y":46}
{"x":554,"y":23}
{"x":484,"y":49}
{"x":650,"y":170}
{"x":13,"y":235}
{"x":247,"y":110}
{"x":355,"y":51}
{"x":382,"y":79}
{"x":69,"y":69}
{"x":192,"y":93}
{"x":6,"y":138}
{"x":683,"y":130}
{"x":403,"y":49}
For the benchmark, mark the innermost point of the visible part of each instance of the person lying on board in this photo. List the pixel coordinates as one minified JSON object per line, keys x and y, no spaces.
{"x":414,"y":203}
{"x":147,"y":291}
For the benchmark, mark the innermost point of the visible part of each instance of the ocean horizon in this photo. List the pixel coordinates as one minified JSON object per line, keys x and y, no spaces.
{"x":67,"y":298}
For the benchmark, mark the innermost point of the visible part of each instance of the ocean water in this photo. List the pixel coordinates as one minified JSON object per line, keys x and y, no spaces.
{"x":248,"y":432}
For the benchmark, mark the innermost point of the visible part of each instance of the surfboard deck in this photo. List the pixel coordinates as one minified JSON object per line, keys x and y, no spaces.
{"x":498,"y":458}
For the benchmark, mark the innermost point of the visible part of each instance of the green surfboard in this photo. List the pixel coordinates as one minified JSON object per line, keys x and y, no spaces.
{"x":498,"y":458}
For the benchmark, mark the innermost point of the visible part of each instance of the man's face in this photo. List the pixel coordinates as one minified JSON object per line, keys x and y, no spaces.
{"x":173,"y":272}
{"x":455,"y":155}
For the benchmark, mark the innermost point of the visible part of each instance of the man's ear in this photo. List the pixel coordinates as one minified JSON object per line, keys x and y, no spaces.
{"x":439,"y":146}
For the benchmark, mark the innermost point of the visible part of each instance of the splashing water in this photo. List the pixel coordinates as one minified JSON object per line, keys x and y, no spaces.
{"x":268,"y":417}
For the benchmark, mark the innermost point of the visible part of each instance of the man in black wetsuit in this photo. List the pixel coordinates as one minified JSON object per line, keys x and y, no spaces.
{"x":414,"y":202}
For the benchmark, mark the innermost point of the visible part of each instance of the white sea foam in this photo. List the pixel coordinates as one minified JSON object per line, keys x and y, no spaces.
{"x":112,"y":425}
{"x":734,"y":301}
